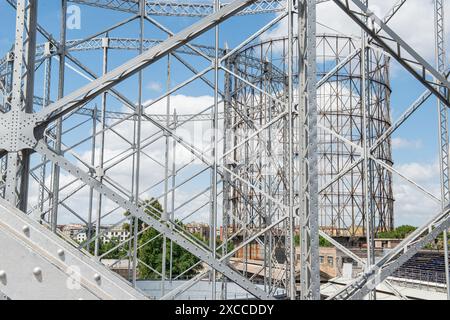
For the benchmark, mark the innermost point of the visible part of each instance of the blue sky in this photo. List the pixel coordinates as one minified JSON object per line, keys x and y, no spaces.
{"x":415,"y":145}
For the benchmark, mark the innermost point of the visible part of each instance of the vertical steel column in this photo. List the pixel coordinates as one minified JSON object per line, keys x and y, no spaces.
{"x":91,"y":190}
{"x":291,"y":137}
{"x":138,"y":141}
{"x":16,"y":100}
{"x":443,"y":125}
{"x":45,"y":102}
{"x":174,"y":183}
{"x":58,"y":128}
{"x":367,"y":172}
{"x":10,"y":78}
{"x":226,"y":177}
{"x":30,"y":54}
{"x":100,"y":171}
{"x":271,"y":191}
{"x":166,"y":180}
{"x":22,"y":97}
{"x":215,"y":138}
{"x":7,"y":107}
{"x":308,"y":210}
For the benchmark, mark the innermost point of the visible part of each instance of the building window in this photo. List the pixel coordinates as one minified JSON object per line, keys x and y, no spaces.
{"x":321,"y":259}
{"x":330,"y":261}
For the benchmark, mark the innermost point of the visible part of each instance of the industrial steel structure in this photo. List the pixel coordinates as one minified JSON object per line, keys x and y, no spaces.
{"x":298,"y":142}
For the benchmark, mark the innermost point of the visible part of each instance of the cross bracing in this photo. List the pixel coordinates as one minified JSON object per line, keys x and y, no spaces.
{"x":300,"y":141}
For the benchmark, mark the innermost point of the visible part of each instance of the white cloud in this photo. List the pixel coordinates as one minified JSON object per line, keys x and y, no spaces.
{"x":155,"y":86}
{"x":421,"y":172}
{"x":195,"y":133}
{"x":411,"y":205}
{"x":404,"y":143}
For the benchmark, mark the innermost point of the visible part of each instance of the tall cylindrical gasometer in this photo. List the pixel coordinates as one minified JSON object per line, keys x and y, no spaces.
{"x":258,"y":153}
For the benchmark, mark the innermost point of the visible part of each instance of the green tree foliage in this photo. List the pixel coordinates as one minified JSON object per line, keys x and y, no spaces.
{"x":398,"y":233}
{"x":322,"y":241}
{"x":103,"y":248}
{"x":297,"y":240}
{"x":150,"y":252}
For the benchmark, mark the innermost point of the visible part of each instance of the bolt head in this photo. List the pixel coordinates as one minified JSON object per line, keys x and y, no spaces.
{"x":26,"y":229}
{"x":37,"y":271}
{"x":2,"y":273}
{"x":97,"y":277}
{"x":60,"y":252}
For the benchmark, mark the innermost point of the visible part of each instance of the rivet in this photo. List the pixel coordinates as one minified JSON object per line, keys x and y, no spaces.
{"x":60,"y":252}
{"x":37,"y":271}
{"x":2,"y":273}
{"x":26,"y":229}
{"x":97,"y":277}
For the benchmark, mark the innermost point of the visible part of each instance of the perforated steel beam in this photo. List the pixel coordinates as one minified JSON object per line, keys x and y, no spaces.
{"x":51,"y":268}
{"x":307,"y":124}
{"x":16,"y":191}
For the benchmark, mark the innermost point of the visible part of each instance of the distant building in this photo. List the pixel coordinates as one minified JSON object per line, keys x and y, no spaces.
{"x":78,"y":232}
{"x":117,"y":233}
{"x":199,"y":228}
{"x":121,"y":267}
{"x":333,"y":261}
{"x":81,"y":237}
{"x":387,"y":243}
{"x":71,"y":230}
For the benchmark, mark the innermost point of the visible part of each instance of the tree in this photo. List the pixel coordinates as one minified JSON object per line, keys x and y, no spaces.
{"x":103,"y":248}
{"x":322,"y":241}
{"x":400,"y":232}
{"x":297,"y":239}
{"x":150,"y":252}
{"x":403,"y":231}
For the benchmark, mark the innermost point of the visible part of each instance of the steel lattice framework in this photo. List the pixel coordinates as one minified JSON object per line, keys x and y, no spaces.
{"x":300,"y":140}
{"x":342,"y":211}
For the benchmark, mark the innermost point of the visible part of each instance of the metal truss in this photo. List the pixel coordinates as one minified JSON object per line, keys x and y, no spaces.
{"x":57,"y":109}
{"x":184,"y":8}
{"x":289,"y":160}
{"x":443,"y":126}
{"x":397,"y":48}
{"x":181,"y":8}
{"x":378,"y":272}
{"x":44,"y":50}
{"x":130,"y":68}
{"x":342,"y":212}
